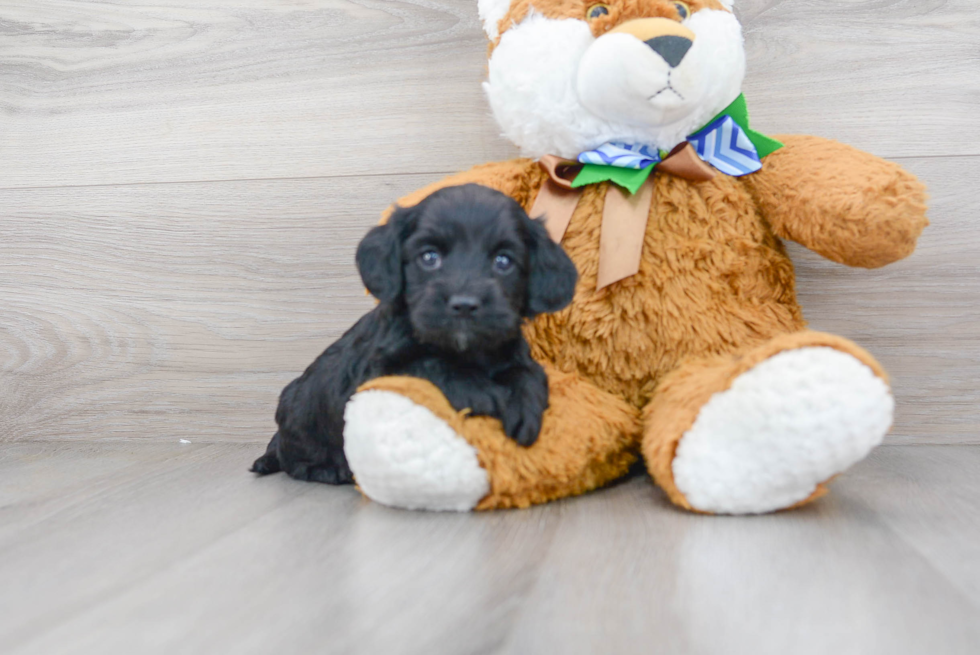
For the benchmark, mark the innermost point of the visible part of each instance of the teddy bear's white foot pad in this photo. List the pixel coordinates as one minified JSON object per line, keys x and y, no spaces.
{"x":791,"y":422}
{"x":403,"y":455}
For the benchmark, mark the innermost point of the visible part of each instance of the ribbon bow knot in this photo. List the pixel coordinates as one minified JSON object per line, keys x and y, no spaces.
{"x":725,"y":144}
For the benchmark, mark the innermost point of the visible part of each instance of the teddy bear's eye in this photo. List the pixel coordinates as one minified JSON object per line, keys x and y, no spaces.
{"x":597,"y":10}
{"x":682,"y":9}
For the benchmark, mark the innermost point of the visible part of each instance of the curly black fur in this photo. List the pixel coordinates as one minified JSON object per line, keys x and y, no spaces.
{"x":455,"y":277}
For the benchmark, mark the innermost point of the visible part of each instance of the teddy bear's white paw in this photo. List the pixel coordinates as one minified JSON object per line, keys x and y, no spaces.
{"x":403,"y":455}
{"x":791,"y":422}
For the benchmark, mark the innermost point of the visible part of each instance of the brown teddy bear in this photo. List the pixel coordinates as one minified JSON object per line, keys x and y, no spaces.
{"x":685,"y":344}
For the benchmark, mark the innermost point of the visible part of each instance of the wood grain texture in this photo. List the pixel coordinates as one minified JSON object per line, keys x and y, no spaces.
{"x":174,"y":311}
{"x":898,"y":78}
{"x":124,"y":92}
{"x":139,"y":307}
{"x":166,"y":548}
{"x":159,"y":312}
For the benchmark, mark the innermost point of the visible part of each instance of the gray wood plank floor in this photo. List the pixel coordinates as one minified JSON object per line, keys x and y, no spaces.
{"x":182,"y":185}
{"x":163,"y":548}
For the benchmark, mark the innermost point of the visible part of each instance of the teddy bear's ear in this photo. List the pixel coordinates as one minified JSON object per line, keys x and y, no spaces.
{"x":491,"y":11}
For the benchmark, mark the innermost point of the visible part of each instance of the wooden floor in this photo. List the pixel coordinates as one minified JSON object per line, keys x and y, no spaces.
{"x":182,"y":185}
{"x":168,"y":548}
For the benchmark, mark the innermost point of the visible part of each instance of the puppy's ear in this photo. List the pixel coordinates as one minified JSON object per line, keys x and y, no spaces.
{"x":379,"y":255}
{"x":551,"y":274}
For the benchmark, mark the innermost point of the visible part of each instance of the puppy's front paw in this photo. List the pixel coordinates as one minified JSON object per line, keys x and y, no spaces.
{"x":336,"y":473}
{"x":521,"y":424}
{"x":266,"y":464}
{"x":332,"y":470}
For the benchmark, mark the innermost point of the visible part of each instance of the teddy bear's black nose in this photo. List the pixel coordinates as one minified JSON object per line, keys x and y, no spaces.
{"x":671,"y":48}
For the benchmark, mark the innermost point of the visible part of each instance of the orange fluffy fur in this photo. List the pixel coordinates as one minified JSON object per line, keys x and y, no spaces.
{"x":617,"y":12}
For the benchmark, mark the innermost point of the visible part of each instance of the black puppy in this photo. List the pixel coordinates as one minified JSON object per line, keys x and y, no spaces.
{"x":456,"y":275}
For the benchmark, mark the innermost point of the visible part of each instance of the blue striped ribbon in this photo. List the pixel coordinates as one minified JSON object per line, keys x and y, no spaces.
{"x":621,"y":155}
{"x":727,"y":147}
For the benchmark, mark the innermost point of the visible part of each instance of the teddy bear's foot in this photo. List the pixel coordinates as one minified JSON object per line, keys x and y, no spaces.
{"x":773,"y":425}
{"x":409,"y":448}
{"x":783,"y":427}
{"x":406,"y":456}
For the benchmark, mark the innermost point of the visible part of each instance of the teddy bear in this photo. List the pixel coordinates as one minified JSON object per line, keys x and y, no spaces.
{"x":684,"y":347}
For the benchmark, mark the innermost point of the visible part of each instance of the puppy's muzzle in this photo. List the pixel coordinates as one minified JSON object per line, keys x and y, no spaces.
{"x":463,"y":306}
{"x":666,"y":37}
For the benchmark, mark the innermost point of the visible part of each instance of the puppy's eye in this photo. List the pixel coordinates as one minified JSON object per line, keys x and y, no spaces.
{"x":502,"y":263}
{"x":597,"y":10}
{"x":430,"y":260}
{"x":682,"y":10}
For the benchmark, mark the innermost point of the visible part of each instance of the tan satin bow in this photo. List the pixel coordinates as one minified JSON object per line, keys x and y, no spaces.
{"x":624,"y":216}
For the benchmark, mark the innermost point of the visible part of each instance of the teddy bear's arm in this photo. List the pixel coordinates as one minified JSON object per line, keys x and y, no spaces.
{"x":510,"y":177}
{"x":845,"y":204}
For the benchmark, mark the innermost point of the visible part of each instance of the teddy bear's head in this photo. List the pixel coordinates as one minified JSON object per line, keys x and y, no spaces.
{"x":566,"y":76}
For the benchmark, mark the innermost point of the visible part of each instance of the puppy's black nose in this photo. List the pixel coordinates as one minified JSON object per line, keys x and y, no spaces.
{"x":461,"y":305}
{"x":671,"y":48}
